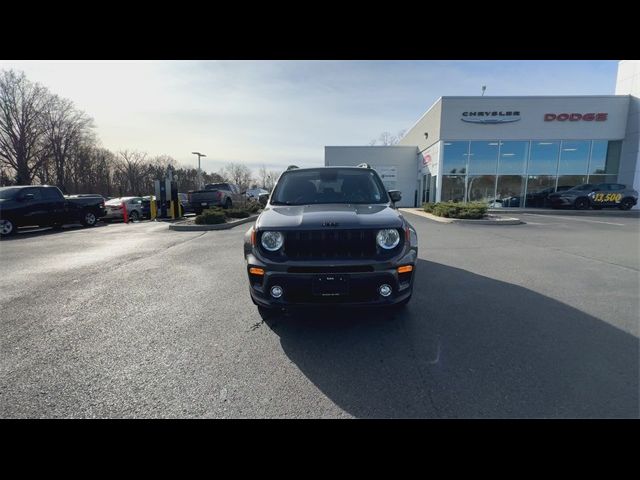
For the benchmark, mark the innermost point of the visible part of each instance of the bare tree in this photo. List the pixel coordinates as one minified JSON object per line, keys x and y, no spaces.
{"x":130,"y":171}
{"x":21,"y":124}
{"x":387,"y":139}
{"x":65,"y":128}
{"x":239,"y":174}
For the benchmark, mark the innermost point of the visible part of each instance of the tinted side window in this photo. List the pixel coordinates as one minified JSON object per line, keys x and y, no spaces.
{"x":36,"y":192}
{"x":617,"y":186}
{"x":50,"y":194}
{"x":602,"y":187}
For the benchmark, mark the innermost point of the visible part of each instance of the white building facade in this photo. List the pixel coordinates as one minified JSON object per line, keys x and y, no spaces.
{"x":508,"y":150}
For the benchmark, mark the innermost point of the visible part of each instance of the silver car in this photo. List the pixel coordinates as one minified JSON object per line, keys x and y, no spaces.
{"x":115,"y":210}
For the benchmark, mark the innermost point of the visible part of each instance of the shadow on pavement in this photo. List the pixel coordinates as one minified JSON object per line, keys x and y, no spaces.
{"x":466,"y":346}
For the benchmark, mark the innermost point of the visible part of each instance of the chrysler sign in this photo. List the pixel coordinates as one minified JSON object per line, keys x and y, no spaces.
{"x":575,"y":117}
{"x":490,"y":117}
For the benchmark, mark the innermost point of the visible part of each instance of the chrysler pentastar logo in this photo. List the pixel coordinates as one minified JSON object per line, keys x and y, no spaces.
{"x":491,"y":117}
{"x":330,"y":224}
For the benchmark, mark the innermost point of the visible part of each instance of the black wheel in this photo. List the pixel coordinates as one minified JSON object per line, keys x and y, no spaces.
{"x":7,"y":228}
{"x":89,"y":219}
{"x":228,"y":204}
{"x":626,"y":204}
{"x":134,"y":216}
{"x":581,"y":203}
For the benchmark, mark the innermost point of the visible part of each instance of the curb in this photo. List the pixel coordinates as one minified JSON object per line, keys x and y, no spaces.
{"x":485,"y":221}
{"x":204,"y":228}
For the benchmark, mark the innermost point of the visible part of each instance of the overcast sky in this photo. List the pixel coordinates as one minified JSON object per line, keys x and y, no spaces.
{"x":276,"y":113}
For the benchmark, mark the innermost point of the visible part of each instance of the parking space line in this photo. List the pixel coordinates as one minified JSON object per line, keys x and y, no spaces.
{"x":576,"y":219}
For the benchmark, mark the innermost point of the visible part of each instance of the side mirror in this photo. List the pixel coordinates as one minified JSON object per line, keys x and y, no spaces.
{"x":395,"y":195}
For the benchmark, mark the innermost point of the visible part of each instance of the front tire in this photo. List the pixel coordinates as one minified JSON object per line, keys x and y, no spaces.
{"x":7,"y":228}
{"x":89,"y":219}
{"x":626,"y":204}
{"x":134,"y":216}
{"x":228,"y":204}
{"x":581,"y":204}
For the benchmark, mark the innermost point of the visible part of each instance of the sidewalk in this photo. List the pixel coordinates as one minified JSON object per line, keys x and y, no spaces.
{"x":605,"y":212}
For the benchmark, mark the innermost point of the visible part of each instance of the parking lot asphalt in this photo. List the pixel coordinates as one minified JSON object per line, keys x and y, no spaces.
{"x":528,"y":321}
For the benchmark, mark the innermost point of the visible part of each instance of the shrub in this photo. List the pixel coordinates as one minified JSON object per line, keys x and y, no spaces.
{"x":211,"y":216}
{"x":471,"y":210}
{"x":236,"y":213}
{"x":428,"y":207}
{"x":253,"y":207}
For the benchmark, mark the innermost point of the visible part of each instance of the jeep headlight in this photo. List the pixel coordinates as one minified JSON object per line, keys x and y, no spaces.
{"x":388,"y":238}
{"x":272,"y":241}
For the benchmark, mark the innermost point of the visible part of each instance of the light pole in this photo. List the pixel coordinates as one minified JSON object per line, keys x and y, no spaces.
{"x":199,"y":171}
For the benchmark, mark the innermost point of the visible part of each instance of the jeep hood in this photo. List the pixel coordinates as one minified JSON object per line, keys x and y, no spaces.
{"x":316,"y":217}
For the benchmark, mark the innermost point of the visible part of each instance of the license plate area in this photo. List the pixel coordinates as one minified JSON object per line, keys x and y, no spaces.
{"x":330,"y":285}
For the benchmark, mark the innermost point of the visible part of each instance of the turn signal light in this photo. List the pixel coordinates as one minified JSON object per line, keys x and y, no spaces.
{"x":256,"y":271}
{"x":405,"y":269}
{"x":253,"y":237}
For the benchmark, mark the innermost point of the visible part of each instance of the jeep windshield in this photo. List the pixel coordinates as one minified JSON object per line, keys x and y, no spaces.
{"x":329,"y":185}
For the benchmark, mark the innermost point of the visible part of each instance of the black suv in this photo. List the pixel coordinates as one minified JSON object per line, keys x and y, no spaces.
{"x":600,"y":195}
{"x":331,"y":235}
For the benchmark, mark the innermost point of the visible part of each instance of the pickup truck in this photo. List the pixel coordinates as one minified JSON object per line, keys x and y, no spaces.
{"x":223,"y":195}
{"x":45,"y":206}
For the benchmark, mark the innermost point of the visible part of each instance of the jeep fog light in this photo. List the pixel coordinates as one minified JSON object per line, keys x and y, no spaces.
{"x":385,"y":290}
{"x":276,"y":291}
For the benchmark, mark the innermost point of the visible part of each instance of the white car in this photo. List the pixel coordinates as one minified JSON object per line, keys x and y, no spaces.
{"x":254,"y":193}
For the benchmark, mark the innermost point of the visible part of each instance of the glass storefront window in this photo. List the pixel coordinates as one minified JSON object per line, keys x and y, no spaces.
{"x":605,"y":157}
{"x":538,"y":187}
{"x":454,"y":157}
{"x":510,"y":191}
{"x":481,"y":188}
{"x":483,"y":158}
{"x":603,"y":179}
{"x":513,"y":158}
{"x":571,"y":181}
{"x":523,"y":173}
{"x":544,"y":158}
{"x":574,"y":157}
{"x":453,"y":188}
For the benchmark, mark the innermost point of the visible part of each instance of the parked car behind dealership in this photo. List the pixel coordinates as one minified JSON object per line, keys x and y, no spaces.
{"x":224,"y":195}
{"x":115,"y":209}
{"x":582,"y":197}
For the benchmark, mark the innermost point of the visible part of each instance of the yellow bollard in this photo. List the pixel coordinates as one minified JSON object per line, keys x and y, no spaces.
{"x":173,"y":209}
{"x":154,"y":209}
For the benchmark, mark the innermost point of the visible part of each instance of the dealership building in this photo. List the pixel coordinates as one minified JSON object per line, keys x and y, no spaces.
{"x":509,"y":151}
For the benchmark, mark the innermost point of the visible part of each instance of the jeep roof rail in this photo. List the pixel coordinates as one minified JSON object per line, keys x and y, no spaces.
{"x":364,"y":165}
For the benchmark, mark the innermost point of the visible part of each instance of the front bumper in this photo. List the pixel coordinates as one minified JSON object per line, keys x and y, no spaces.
{"x":297,"y":282}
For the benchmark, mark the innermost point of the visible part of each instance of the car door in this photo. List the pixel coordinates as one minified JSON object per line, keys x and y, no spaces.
{"x":55,"y":205}
{"x":135,"y":204}
{"x":601,"y":195}
{"x":34,"y":207}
